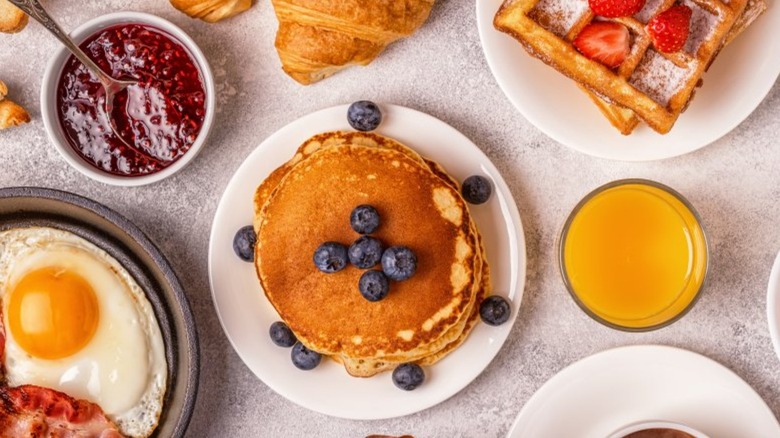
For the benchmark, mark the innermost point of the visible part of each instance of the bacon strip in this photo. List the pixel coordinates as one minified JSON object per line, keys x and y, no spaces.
{"x":33,"y":412}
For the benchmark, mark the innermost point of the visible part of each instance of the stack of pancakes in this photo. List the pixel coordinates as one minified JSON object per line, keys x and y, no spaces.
{"x":308,"y":201}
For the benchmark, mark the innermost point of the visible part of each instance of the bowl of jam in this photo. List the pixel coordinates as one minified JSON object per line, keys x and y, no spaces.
{"x":159,"y":124}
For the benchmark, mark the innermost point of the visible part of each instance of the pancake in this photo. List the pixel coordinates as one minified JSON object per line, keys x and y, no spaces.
{"x":438,"y":350}
{"x":472,"y":321}
{"x":323,"y":141}
{"x":376,"y":336}
{"x":454,"y":337}
{"x":312,"y":205}
{"x":430,"y":353}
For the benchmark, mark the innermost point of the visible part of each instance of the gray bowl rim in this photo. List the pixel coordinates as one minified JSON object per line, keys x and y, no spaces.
{"x":162,"y":264}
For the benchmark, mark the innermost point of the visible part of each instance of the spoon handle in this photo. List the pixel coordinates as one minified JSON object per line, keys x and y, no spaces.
{"x":34,"y":9}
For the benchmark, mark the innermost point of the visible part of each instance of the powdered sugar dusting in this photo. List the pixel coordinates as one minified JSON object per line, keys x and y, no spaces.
{"x":659,"y":78}
{"x":650,"y":10}
{"x":559,"y":16}
{"x":703,"y":24}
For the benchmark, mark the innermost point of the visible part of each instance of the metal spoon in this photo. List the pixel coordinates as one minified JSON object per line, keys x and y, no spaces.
{"x":112,"y":86}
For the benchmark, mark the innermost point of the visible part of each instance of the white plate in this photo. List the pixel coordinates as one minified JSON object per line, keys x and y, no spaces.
{"x":246,"y":315}
{"x":599,"y":394}
{"x":738,"y":81}
{"x":773,"y":305}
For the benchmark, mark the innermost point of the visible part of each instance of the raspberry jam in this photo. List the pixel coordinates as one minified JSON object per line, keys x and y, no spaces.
{"x":160,"y":117}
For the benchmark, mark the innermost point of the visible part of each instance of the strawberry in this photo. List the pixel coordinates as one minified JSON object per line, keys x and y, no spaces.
{"x":604,"y":41}
{"x":669,"y":30}
{"x":616,"y":8}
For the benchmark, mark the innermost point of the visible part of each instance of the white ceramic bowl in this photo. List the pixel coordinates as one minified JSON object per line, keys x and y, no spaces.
{"x":644,"y":425}
{"x":49,"y":98}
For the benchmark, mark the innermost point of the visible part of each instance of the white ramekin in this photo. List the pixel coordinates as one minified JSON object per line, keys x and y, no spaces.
{"x":49,"y":98}
{"x":655,"y":424}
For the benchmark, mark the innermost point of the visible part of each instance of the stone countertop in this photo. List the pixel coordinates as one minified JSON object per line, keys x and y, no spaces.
{"x":734,"y":183}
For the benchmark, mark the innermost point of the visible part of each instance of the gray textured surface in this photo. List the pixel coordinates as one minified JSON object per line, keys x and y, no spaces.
{"x":734,"y":183}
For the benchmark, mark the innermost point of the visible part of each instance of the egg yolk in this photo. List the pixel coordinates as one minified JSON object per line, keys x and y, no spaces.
{"x":52,"y":313}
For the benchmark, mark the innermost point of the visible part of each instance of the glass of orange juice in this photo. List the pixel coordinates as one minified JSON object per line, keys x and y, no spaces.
{"x":634,"y":255}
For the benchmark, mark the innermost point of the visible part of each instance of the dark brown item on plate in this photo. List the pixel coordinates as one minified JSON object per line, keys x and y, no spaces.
{"x":659,"y":433}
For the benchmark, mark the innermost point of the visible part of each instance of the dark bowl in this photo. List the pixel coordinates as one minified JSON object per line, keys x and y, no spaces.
{"x":113,"y":233}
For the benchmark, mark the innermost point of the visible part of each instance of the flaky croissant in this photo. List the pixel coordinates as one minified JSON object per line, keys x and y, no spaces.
{"x":12,"y":19}
{"x":212,"y":10}
{"x":11,"y":114}
{"x":317,"y":38}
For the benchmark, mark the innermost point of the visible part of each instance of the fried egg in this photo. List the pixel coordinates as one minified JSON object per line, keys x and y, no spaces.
{"x":77,"y":322}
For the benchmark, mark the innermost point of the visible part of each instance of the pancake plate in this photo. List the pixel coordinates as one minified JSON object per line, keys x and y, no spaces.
{"x":245,"y":313}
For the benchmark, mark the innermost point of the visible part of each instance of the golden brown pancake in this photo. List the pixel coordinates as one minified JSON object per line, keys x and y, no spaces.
{"x":323,"y":141}
{"x":312,"y":205}
{"x":383,"y":337}
{"x":471,"y":322}
{"x":437,"y":351}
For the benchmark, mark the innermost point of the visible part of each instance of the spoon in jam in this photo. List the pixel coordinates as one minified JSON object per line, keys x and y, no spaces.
{"x":112,"y":86}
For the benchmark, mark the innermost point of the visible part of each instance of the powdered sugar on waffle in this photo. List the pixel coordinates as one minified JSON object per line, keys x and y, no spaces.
{"x":703,"y":24}
{"x":659,"y":77}
{"x":559,"y":16}
{"x":650,"y":10}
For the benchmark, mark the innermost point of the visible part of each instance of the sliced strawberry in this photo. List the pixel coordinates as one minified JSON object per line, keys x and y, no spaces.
{"x":669,"y":30}
{"x":604,"y":41}
{"x":616,"y":8}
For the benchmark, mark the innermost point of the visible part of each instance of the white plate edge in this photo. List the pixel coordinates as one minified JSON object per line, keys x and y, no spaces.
{"x":514,"y":220}
{"x":773,"y":303}
{"x":572,"y":368}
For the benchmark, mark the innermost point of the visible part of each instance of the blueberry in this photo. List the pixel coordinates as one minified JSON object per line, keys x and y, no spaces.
{"x":303,"y":358}
{"x":364,"y":219}
{"x":476,"y":189}
{"x":408,"y":376}
{"x":494,"y":310}
{"x":244,"y":243}
{"x":373,"y":285}
{"x":331,"y":257}
{"x":364,"y":115}
{"x":366,"y":252}
{"x":399,"y":263}
{"x":281,"y":335}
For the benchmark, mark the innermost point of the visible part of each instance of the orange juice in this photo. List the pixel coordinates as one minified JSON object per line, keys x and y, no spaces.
{"x":634,"y":255}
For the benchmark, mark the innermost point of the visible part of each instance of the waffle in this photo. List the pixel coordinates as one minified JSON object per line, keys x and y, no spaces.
{"x":654,"y":85}
{"x":626,"y":120}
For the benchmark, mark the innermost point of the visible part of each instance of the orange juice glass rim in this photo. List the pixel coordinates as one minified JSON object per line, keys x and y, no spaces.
{"x":576,"y":210}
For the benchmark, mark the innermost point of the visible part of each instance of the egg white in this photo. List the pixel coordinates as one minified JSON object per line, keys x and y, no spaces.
{"x":123,"y":368}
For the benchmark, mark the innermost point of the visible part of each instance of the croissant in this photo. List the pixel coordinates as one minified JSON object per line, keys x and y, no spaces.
{"x":317,"y":38}
{"x":11,"y":114}
{"x":211,"y":10}
{"x":12,"y":19}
